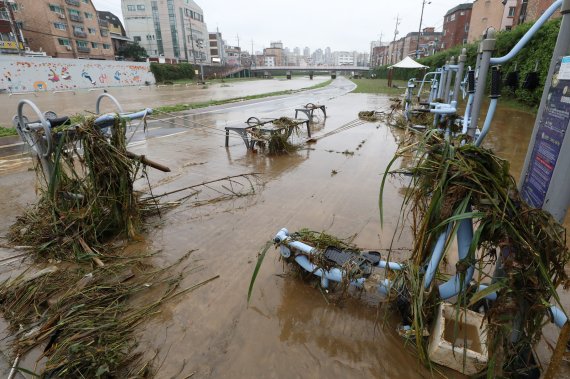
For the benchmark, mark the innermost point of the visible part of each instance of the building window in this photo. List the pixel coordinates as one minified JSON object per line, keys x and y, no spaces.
{"x":92,"y":31}
{"x":94,"y":45}
{"x":136,"y":38}
{"x":452,"y":17}
{"x":131,"y":8}
{"x":86,"y":1}
{"x":73,"y":12}
{"x":63,"y":42}
{"x":89,"y":16}
{"x":83,"y":44}
{"x":106,"y":46}
{"x":15,"y":7}
{"x":55,"y":8}
{"x":60,"y":26}
{"x":512,"y":11}
{"x":508,"y":27}
{"x":140,"y":7}
{"x":462,"y":13}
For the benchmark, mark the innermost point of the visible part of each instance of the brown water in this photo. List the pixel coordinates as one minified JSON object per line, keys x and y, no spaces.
{"x":288,"y":329}
{"x":135,"y":98}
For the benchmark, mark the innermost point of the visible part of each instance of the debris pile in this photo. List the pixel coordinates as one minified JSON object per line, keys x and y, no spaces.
{"x":451,"y":182}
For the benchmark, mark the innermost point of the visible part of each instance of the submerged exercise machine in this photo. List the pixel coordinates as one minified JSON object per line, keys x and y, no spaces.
{"x":40,"y":137}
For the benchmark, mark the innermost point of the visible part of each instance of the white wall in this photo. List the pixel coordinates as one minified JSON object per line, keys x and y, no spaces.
{"x":21,"y":74}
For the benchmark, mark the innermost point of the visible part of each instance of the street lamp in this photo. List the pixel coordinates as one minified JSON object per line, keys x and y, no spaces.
{"x":424,"y":2}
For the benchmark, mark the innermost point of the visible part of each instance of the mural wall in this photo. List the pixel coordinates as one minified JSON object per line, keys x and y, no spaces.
{"x":24,"y":74}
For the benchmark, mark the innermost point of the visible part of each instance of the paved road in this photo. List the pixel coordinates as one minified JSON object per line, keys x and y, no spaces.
{"x":161,"y":125}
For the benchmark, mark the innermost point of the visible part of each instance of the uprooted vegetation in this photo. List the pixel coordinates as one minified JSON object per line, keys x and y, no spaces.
{"x":83,"y":310}
{"x":451,"y":182}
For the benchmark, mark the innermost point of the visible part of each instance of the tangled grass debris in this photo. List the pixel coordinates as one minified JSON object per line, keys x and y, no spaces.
{"x":451,"y":182}
{"x":84,"y":310}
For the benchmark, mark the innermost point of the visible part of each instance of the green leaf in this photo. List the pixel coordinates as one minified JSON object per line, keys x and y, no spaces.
{"x":257,"y":267}
{"x":487,"y":291}
{"x":102,"y":370}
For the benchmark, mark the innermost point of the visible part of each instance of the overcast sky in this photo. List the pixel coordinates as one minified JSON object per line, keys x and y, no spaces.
{"x":342,"y":25}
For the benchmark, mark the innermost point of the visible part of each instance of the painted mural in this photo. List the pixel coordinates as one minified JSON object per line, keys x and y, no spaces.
{"x":23,"y":74}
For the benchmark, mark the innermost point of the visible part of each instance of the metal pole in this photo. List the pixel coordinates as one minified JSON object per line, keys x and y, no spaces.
{"x":459,"y":74}
{"x":487,"y":47}
{"x":449,"y":78}
{"x":442,"y":81}
{"x":420,"y":29}
{"x":557,"y":197}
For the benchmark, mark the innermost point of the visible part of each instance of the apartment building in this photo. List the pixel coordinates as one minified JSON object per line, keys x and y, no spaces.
{"x":216,"y":44}
{"x":174,"y":29}
{"x":485,"y":14}
{"x":456,"y":26}
{"x":531,"y":10}
{"x":117,"y":32}
{"x":63,"y":28}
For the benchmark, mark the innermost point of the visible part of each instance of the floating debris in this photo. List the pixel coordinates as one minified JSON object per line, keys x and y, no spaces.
{"x":369,"y":116}
{"x":85,"y":320}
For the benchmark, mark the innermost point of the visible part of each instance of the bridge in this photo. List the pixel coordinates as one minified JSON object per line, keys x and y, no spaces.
{"x":310,"y":68}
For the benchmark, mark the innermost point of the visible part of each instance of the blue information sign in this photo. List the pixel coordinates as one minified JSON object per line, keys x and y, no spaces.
{"x":551,"y":132}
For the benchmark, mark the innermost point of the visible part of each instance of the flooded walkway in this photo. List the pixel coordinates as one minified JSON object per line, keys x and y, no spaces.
{"x":288,"y":329}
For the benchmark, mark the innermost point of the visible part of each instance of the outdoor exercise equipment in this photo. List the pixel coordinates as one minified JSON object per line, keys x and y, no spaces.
{"x":39,"y":134}
{"x":546,"y":174}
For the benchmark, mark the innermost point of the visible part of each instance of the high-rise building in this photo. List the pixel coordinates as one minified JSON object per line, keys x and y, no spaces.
{"x":307,"y":52}
{"x":174,"y":29}
{"x":64,"y":29}
{"x":328,"y":56}
{"x":297,"y":51}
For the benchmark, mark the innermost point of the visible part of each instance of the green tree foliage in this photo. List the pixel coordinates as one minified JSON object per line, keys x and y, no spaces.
{"x":163,"y":71}
{"x":134,"y":51}
{"x":537,"y":52}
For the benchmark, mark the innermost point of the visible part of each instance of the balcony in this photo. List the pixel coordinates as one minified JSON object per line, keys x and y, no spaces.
{"x":104,"y":32}
{"x":76,"y":18}
{"x":75,"y":3}
{"x":79,"y":33}
{"x":83,"y":49}
{"x":104,"y":23}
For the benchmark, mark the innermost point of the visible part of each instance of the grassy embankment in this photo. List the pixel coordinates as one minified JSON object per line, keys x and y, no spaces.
{"x":185,"y":107}
{"x":380,"y":86}
{"x":5,"y":132}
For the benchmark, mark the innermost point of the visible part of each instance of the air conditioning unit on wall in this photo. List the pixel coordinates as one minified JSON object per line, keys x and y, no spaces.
{"x":68,"y":48}
{"x":61,"y":15}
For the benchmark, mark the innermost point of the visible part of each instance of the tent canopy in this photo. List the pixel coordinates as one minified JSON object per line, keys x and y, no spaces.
{"x":408,"y":62}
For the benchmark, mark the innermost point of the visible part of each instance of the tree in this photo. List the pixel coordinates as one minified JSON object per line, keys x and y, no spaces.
{"x":134,"y":51}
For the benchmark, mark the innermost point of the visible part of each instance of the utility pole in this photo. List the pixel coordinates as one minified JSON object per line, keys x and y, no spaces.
{"x":395,"y":34}
{"x":253,"y":63}
{"x":420,"y":30}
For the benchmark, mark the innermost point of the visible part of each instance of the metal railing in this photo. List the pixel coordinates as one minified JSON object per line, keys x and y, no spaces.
{"x":73,"y":2}
{"x":79,"y":33}
{"x":83,"y":49}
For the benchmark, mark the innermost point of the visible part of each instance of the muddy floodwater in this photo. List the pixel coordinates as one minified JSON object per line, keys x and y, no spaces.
{"x":288,"y":330}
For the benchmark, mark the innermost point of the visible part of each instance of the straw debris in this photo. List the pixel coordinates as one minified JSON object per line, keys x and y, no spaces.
{"x":451,"y":182}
